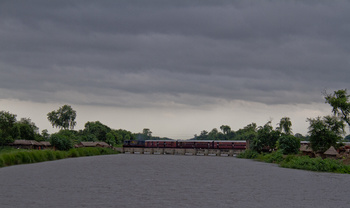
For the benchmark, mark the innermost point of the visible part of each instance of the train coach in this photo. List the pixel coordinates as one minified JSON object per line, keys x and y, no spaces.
{"x":188,"y":144}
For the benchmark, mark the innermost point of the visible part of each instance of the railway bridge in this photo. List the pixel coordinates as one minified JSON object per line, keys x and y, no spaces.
{"x":187,"y":147}
{"x":181,"y":151}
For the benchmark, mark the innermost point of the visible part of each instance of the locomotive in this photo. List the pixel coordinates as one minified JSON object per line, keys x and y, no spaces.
{"x":193,"y":144}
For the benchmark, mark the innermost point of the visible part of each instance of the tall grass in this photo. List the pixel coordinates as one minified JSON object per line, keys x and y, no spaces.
{"x":10,"y":157}
{"x":315,"y":164}
{"x":299,"y":162}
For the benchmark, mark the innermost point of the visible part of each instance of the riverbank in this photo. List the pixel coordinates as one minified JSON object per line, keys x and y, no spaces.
{"x":10,"y":156}
{"x":299,"y":162}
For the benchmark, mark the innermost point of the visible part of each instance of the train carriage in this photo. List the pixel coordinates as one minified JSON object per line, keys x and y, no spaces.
{"x":204,"y":144}
{"x":134,"y":143}
{"x":188,"y":144}
{"x":160,"y":144}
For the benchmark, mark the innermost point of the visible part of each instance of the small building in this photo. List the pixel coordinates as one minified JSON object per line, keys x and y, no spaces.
{"x":25,"y":144}
{"x":331,"y":153}
{"x":92,"y":144}
{"x":306,"y":150}
{"x":45,"y":145}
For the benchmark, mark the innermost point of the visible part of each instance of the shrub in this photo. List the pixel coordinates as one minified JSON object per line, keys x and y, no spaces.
{"x":248,"y":154}
{"x":73,"y":153}
{"x":14,"y":157}
{"x":289,"y":144}
{"x":49,"y":154}
{"x":23,"y":157}
{"x":61,"y":142}
{"x":2,"y":163}
{"x":316,"y":164}
{"x":274,"y":157}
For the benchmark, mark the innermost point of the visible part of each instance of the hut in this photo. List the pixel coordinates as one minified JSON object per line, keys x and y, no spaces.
{"x":306,"y":150}
{"x":331,"y":153}
{"x":25,"y":144}
{"x":45,"y":145}
{"x":92,"y":144}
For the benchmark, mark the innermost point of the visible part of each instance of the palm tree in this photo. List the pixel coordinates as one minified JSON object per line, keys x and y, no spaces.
{"x":225,"y":129}
{"x":285,"y":125}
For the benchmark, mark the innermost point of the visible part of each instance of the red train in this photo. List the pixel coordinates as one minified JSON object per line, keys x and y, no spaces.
{"x":193,"y":144}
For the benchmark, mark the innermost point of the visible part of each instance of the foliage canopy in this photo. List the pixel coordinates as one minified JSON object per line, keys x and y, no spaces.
{"x":63,"y":118}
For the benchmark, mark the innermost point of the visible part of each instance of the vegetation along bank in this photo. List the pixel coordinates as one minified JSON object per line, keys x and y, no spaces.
{"x":10,"y":156}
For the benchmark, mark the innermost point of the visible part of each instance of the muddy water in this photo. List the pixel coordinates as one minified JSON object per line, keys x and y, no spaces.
{"x":168,"y":181}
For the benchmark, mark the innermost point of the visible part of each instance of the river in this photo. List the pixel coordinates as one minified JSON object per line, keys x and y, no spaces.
{"x":128,"y":180}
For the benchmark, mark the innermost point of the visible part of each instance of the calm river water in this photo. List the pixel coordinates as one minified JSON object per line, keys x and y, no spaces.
{"x":127,"y":180}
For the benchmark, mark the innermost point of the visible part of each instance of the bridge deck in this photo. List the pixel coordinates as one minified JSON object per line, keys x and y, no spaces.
{"x":180,"y":151}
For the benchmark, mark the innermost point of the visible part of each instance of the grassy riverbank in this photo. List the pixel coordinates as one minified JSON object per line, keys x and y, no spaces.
{"x":10,"y":156}
{"x":299,"y":162}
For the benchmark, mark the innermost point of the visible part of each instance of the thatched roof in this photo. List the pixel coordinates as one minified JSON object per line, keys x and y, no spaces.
{"x":45,"y":143}
{"x":331,"y":151}
{"x":102,"y":144}
{"x":92,"y":144}
{"x":305,"y":148}
{"x":26,"y":142}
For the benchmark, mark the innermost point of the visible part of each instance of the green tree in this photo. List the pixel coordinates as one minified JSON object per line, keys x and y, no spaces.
{"x":249,"y":132}
{"x":301,"y":137}
{"x":339,"y":100}
{"x":213,"y":134}
{"x":227,"y":133}
{"x":63,"y":118}
{"x":225,"y":129}
{"x":147,"y":134}
{"x":110,"y":138}
{"x":285,"y":125}
{"x":96,"y":130}
{"x":25,"y":129}
{"x":45,"y":134}
{"x":7,"y":122}
{"x":266,"y":138}
{"x":61,"y":142}
{"x":289,"y":144}
{"x":122,"y":135}
{"x":325,"y":132}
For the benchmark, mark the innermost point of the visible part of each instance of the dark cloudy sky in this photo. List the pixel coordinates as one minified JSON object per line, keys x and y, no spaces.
{"x":176,"y":67}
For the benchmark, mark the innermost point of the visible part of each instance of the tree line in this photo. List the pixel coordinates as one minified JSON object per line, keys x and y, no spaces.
{"x":323,"y":131}
{"x":64,"y":118}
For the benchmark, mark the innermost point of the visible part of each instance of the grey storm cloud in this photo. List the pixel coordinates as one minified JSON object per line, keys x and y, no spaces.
{"x":132,"y":53}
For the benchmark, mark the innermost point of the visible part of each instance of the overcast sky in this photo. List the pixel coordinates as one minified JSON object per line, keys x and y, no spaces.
{"x":176,"y":67}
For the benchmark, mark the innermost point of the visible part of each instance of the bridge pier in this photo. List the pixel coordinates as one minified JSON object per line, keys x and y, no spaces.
{"x":179,"y":151}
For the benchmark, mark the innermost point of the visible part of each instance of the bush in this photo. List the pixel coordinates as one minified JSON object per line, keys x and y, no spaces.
{"x":2,"y":163}
{"x":289,"y":144}
{"x":73,"y":153}
{"x":15,"y":157}
{"x":61,"y":142}
{"x":316,"y":164}
{"x":49,"y":154}
{"x":274,"y":157}
{"x":23,"y":158}
{"x":248,"y":154}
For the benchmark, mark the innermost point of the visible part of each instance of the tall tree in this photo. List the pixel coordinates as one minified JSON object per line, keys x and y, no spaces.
{"x":249,"y":132}
{"x":325,"y":132}
{"x":225,"y":129}
{"x":63,"y":118}
{"x":7,"y":122}
{"x":147,"y":134}
{"x":213,"y":134}
{"x":96,"y":130}
{"x":266,"y":138}
{"x":285,"y":125}
{"x":339,"y":100}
